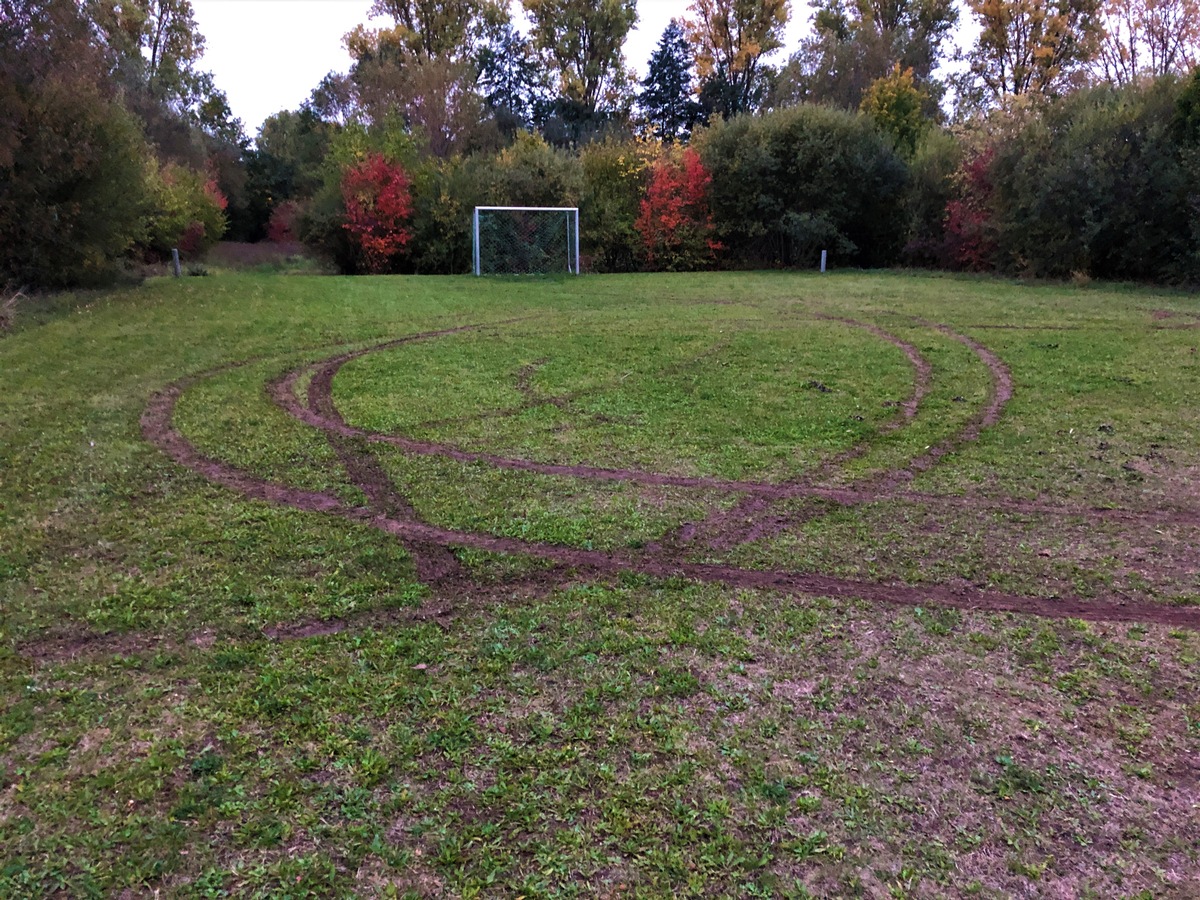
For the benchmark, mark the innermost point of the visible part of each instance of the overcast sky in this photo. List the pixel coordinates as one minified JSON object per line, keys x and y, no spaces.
{"x":268,"y":55}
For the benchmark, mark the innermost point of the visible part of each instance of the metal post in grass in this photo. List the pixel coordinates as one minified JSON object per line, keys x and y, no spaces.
{"x":475,"y":242}
{"x":823,"y":252}
{"x":175,"y":261}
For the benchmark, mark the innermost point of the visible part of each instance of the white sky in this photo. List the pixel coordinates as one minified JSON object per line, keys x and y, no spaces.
{"x":268,"y":55}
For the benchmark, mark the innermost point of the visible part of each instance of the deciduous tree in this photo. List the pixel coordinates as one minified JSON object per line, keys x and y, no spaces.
{"x":856,"y":42}
{"x":435,"y":94}
{"x":434,"y":29}
{"x":895,"y":104}
{"x":425,"y":65}
{"x":1032,"y":46}
{"x":154,"y":48}
{"x":730,"y":38}
{"x":1148,"y":39}
{"x":583,"y":40}
{"x":153,"y":41}
{"x":73,"y":189}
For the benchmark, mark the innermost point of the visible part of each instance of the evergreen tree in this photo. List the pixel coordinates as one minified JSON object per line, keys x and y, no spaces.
{"x":666,"y":95}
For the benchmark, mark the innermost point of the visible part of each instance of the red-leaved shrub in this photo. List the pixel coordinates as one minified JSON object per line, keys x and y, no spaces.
{"x":970,"y":236}
{"x":378,"y":206}
{"x":191,"y":240}
{"x":281,"y":229}
{"x":215,"y":195}
{"x":674,"y":221}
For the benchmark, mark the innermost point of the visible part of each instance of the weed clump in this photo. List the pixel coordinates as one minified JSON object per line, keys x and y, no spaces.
{"x":9,"y":298}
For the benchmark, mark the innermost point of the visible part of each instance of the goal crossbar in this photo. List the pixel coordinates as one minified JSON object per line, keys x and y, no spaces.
{"x":525,"y":247}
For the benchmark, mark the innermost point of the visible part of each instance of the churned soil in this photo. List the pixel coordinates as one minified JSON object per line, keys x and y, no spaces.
{"x":749,"y":519}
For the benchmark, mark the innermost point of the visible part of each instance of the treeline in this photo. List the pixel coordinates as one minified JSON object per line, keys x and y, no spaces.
{"x":1068,"y":146}
{"x":113,"y":145}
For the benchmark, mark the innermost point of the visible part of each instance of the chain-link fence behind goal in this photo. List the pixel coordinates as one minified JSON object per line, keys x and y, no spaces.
{"x":526,"y":241}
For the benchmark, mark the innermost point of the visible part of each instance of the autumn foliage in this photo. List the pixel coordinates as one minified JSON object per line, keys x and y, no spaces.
{"x":970,"y":240}
{"x":188,"y":211}
{"x":378,"y":198}
{"x":674,"y":220}
{"x":281,"y":227}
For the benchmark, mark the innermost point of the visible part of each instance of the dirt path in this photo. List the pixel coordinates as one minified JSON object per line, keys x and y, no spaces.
{"x":393,"y":515}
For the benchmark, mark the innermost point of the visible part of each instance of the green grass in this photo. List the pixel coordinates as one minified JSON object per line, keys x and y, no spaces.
{"x":206,"y":695}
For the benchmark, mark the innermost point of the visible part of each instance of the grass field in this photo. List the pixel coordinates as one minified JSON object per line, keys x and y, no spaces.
{"x":689,"y":585}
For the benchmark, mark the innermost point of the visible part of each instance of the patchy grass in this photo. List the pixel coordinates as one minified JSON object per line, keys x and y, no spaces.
{"x":208,"y":695}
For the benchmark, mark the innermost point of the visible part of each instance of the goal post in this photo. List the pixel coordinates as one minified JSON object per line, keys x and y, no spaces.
{"x":525,"y":240}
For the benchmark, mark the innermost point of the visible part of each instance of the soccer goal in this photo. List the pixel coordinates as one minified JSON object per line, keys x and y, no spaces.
{"x":526,"y":240}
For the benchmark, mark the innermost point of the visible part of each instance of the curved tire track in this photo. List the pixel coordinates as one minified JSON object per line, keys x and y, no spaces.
{"x":159,"y":429}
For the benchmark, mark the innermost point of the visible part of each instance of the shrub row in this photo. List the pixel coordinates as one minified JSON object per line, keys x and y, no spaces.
{"x":81,"y":190}
{"x":1103,"y":182}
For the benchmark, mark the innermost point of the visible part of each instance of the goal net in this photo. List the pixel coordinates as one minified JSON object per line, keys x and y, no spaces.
{"x":526,"y":240}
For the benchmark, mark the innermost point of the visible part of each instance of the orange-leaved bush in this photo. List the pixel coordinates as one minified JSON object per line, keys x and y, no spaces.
{"x":378,"y":207}
{"x":674,"y":221}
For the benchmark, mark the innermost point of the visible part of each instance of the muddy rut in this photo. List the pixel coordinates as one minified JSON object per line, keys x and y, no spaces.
{"x":751,"y":518}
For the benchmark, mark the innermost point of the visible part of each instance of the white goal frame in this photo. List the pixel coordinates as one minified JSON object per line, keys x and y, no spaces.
{"x":568,"y":212}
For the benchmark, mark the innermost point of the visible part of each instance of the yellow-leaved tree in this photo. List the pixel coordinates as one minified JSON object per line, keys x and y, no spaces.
{"x":1032,"y":46}
{"x":582,"y":41}
{"x":1148,"y":39}
{"x":730,"y":38}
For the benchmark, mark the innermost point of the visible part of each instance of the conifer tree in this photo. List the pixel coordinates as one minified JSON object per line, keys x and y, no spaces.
{"x":666,"y":96}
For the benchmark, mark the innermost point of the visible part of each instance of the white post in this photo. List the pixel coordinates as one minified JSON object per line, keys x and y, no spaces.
{"x":576,"y":240}
{"x":823,"y":252}
{"x":175,"y":261}
{"x":475,"y":242}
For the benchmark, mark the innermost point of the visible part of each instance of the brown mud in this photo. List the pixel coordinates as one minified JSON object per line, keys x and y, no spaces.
{"x":392,"y":514}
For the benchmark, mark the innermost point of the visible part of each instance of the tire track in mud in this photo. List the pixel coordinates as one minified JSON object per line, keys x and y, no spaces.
{"x":753,"y":512}
{"x":998,"y":396}
{"x":434,"y":563}
{"x":399,"y":521}
{"x":750,"y":518}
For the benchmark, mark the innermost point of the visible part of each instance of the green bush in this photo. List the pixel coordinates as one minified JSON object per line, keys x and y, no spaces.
{"x":530,"y":172}
{"x":933,"y":173}
{"x":444,"y":198}
{"x":188,"y":211}
{"x":614,"y":181}
{"x":791,"y":183}
{"x":73,"y":190}
{"x":1096,"y":183}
